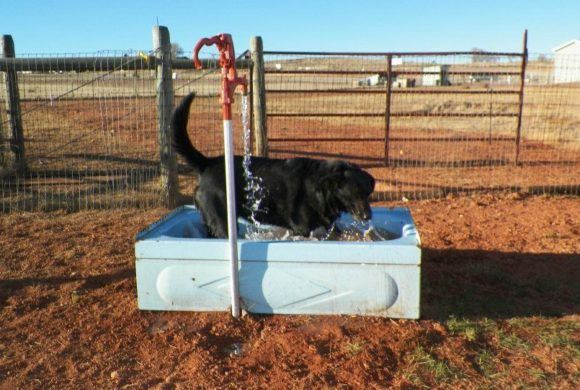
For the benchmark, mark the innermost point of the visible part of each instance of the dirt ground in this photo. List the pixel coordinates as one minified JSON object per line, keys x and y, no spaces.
{"x":500,"y":308}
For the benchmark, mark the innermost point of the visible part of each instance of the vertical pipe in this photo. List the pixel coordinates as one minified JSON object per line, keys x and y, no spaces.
{"x":13,"y":106}
{"x":490,"y":110}
{"x":232,"y":217}
{"x":521,"y":94}
{"x":389,"y":82}
{"x":164,"y":92}
{"x":259,"y":97}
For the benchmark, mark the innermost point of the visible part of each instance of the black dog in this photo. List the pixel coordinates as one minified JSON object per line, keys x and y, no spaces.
{"x":300,"y":194}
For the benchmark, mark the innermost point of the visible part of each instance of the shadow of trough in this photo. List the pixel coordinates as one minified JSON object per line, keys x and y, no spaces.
{"x":477,"y":283}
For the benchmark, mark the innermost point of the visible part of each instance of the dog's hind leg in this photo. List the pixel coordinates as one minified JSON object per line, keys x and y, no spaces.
{"x":213,"y":210}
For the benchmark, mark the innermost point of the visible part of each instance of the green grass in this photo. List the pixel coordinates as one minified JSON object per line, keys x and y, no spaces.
{"x":512,"y":342}
{"x":354,"y":348}
{"x":553,"y":333}
{"x":472,"y":330}
{"x":425,"y":365}
{"x":486,"y":364}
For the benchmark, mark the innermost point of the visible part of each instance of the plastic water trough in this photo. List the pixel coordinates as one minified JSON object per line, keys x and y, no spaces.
{"x":179,"y":268}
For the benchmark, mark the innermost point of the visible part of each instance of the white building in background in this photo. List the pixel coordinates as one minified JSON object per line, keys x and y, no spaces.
{"x":567,"y":62}
{"x":375,"y":79}
{"x":436,"y":75}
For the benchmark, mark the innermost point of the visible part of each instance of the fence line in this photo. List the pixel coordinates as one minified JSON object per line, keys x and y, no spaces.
{"x":431,"y":124}
{"x":424,"y":124}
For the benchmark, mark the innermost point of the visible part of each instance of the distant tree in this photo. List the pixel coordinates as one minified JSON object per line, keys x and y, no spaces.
{"x":477,"y":56}
{"x":176,"y":50}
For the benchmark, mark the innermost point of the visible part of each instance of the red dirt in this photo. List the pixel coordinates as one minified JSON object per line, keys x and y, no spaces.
{"x":507,"y":266}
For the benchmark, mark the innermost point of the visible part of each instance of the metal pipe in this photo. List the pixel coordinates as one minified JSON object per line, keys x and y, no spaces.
{"x":396,"y":72}
{"x":400,"y":139}
{"x":382,"y":114}
{"x":395,"y":53}
{"x":232,"y":217}
{"x":389,"y":82}
{"x":521,"y":101}
{"x":92,"y":64}
{"x":395,"y":91}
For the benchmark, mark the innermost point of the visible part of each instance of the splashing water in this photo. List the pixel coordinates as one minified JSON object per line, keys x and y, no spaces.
{"x":253,"y":187}
{"x":340,"y":230}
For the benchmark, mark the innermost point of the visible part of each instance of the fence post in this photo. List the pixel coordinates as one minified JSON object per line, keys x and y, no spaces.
{"x":164,"y":92}
{"x":13,"y":106}
{"x":389,"y":82}
{"x":521,"y":102}
{"x":259,"y":97}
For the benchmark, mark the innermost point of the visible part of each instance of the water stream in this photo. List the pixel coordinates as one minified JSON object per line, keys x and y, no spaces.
{"x":253,"y":186}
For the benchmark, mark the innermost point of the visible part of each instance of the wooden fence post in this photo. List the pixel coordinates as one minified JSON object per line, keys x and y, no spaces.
{"x":259,"y":97}
{"x":164,"y":92}
{"x":389,"y":81}
{"x":521,"y":101}
{"x":13,"y":106}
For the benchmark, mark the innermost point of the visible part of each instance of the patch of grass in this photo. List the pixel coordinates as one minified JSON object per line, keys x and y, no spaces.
{"x":554,"y":333}
{"x":485,"y":361}
{"x":560,"y":334}
{"x":538,"y":374}
{"x":424,"y":365}
{"x":511,"y":341}
{"x":354,"y":348}
{"x":471,"y":330}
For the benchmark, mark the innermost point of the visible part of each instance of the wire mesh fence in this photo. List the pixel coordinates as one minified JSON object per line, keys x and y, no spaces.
{"x":90,"y":127}
{"x":424,"y":124}
{"x":429,"y":124}
{"x":89,"y":133}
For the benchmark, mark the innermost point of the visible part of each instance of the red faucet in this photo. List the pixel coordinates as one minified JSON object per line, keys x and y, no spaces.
{"x":227,"y":61}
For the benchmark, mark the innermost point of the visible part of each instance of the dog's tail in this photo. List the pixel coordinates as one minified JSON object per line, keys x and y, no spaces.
{"x":180,"y":140}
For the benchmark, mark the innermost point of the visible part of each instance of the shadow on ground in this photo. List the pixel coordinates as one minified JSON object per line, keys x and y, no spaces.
{"x":477,"y":283}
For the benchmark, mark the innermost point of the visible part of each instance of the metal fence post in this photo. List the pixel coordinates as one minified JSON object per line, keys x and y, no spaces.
{"x":389,"y":82}
{"x":259,"y":97}
{"x":164,"y":92}
{"x":13,"y":106}
{"x":521,"y":94}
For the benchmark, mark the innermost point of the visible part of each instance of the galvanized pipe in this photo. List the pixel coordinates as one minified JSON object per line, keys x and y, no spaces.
{"x":396,"y":91}
{"x":382,"y":114}
{"x":521,"y":101}
{"x":394,"y":53}
{"x":388,"y":108}
{"x":400,"y":139}
{"x":396,"y":72}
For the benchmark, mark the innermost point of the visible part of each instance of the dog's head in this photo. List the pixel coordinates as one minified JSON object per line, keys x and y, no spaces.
{"x":348,"y":188}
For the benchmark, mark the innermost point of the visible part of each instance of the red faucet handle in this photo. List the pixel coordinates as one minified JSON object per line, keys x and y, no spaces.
{"x":224,"y":44}
{"x":203,"y":42}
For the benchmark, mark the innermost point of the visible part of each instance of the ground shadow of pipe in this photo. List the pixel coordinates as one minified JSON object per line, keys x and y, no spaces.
{"x":477,"y":283}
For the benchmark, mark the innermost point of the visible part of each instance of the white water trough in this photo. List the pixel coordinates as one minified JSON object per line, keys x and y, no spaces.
{"x":178,"y":268}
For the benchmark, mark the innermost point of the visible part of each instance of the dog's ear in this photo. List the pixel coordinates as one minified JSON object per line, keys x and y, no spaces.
{"x":331,"y":174}
{"x":363,"y":179}
{"x":368,"y":180}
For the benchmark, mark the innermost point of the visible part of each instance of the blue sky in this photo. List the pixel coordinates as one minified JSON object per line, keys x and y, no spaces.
{"x":87,"y":26}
